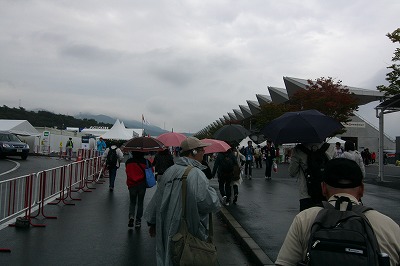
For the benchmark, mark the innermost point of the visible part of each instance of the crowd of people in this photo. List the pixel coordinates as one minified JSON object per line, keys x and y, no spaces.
{"x":343,"y":177}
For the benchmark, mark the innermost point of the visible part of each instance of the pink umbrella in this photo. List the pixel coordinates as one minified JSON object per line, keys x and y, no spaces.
{"x":216,"y":146}
{"x":171,"y":139}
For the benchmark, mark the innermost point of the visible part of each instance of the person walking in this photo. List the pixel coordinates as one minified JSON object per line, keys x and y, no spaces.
{"x":61,"y":149}
{"x":224,"y":166}
{"x":342,"y":179}
{"x":248,"y":153}
{"x":351,"y":154}
{"x":69,"y":146}
{"x":164,"y":211}
{"x":162,"y":161}
{"x":297,"y":167}
{"x":258,"y":156}
{"x":112,"y":158}
{"x":136,"y":182}
{"x":101,"y":145}
{"x":338,"y":150}
{"x":240,"y":161}
{"x":269,"y":154}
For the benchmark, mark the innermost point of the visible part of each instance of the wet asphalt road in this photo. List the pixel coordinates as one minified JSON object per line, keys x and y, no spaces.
{"x":266,"y":208}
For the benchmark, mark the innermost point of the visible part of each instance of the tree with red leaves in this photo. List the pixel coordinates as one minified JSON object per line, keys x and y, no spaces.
{"x":327,"y":96}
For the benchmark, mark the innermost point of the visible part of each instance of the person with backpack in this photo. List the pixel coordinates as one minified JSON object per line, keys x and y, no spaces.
{"x":224,"y":165}
{"x":307,"y":163}
{"x":136,"y":182}
{"x":112,"y":158}
{"x":343,"y":231}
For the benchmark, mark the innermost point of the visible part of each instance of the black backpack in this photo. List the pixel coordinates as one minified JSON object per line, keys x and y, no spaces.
{"x":316,"y":161}
{"x":112,"y":158}
{"x":343,"y":237}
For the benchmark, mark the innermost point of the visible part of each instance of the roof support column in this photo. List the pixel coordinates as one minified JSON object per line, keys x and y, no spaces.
{"x":380,"y":154}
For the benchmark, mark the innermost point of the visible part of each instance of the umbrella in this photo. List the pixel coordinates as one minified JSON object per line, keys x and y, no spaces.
{"x":231,"y":133}
{"x":171,"y":139}
{"x":143,"y":144}
{"x":310,"y":126}
{"x":216,"y":146}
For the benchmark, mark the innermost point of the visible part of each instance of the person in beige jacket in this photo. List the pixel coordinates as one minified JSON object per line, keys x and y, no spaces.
{"x":342,"y":178}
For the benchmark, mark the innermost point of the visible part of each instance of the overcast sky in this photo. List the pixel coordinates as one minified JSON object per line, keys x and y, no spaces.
{"x":184,"y":64}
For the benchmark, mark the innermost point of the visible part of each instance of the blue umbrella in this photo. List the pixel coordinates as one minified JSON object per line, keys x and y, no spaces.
{"x":310,"y":126}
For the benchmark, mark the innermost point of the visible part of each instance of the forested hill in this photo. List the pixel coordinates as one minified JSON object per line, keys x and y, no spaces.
{"x":47,"y":119}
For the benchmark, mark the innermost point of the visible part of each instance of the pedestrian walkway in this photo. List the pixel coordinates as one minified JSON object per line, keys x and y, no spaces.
{"x":95,"y":232}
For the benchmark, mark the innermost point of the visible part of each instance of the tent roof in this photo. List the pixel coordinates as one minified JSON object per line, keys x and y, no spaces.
{"x":18,"y":127}
{"x":334,"y":140}
{"x":118,"y":131}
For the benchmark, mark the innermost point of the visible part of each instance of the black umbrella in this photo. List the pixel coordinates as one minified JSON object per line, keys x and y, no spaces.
{"x":143,"y":144}
{"x":308,"y":126}
{"x":231,"y":133}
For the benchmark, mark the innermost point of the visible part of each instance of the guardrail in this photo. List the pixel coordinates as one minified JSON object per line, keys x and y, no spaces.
{"x":29,"y":194}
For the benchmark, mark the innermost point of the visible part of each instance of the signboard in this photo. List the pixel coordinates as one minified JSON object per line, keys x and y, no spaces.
{"x":45,"y":142}
{"x":354,"y":124}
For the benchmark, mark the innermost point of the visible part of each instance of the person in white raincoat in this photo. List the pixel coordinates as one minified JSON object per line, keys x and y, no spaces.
{"x":164,"y":211}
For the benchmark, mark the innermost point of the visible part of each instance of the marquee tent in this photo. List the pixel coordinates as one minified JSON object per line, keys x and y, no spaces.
{"x":18,"y":127}
{"x":118,"y":132}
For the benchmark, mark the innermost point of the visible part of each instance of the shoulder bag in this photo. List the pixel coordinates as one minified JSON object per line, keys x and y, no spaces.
{"x":149,"y":175}
{"x":187,"y":249}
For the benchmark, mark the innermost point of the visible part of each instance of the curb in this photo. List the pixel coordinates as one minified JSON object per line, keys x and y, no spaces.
{"x":256,"y":254}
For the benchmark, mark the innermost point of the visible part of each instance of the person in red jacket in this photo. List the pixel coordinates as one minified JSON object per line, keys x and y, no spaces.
{"x":136,"y":182}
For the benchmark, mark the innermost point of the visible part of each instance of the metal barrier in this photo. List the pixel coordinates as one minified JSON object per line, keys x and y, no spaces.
{"x":27,"y":194}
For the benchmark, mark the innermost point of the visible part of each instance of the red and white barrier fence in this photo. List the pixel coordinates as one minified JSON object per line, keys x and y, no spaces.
{"x":28,"y":195}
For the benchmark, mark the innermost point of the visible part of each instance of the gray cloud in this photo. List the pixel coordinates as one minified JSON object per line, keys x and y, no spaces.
{"x":184,"y":63}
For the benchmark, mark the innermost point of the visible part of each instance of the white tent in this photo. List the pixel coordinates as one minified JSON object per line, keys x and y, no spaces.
{"x":18,"y":127}
{"x":118,"y":131}
{"x":333,"y":140}
{"x":245,"y":141}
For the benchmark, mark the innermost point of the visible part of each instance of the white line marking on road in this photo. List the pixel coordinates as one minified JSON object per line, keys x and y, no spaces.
{"x":11,"y":170}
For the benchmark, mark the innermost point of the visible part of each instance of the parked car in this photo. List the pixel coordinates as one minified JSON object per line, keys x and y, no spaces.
{"x":11,"y":145}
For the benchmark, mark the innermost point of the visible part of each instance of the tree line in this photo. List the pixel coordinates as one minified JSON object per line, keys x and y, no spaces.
{"x":47,"y":119}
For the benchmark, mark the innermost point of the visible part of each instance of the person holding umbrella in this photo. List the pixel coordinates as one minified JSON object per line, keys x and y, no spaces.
{"x":136,"y":182}
{"x":300,"y":162}
{"x":224,"y":165}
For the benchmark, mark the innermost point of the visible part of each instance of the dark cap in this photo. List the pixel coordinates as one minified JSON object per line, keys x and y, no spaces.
{"x":342,"y":173}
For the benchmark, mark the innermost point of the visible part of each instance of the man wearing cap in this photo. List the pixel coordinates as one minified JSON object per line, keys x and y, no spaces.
{"x":164,"y":211}
{"x":342,"y":178}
